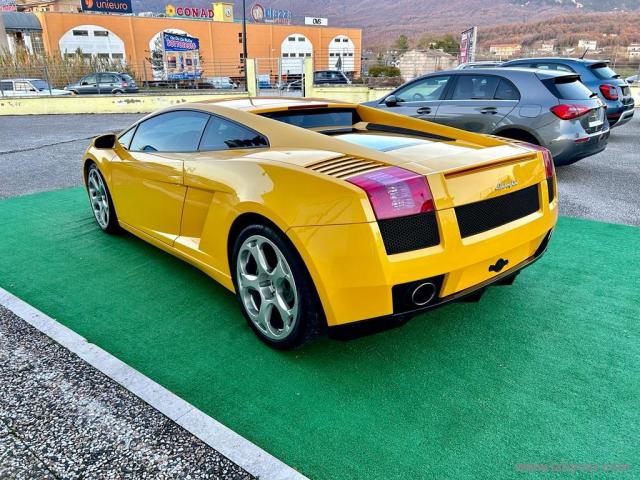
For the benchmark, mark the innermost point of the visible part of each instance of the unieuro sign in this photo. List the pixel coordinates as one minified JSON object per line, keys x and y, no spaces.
{"x":107,"y":6}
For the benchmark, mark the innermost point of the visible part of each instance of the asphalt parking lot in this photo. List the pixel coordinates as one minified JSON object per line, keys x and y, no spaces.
{"x":41,"y":153}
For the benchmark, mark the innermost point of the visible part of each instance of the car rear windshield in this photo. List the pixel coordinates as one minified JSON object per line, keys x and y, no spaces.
{"x":603,"y":71}
{"x":316,"y":117}
{"x":568,"y":88}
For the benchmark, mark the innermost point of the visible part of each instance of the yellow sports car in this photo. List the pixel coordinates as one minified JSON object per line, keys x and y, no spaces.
{"x":324,"y":214}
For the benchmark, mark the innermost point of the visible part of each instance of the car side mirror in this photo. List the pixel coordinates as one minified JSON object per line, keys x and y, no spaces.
{"x":106,"y":141}
{"x":84,"y":83}
{"x":391,"y":101}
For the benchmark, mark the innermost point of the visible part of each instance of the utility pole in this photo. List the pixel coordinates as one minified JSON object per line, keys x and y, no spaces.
{"x":244,"y":43}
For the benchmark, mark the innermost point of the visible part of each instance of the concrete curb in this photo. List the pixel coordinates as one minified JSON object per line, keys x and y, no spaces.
{"x":236,"y":448}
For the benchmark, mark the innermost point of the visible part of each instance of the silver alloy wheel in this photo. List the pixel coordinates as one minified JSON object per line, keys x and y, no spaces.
{"x":266,"y":287}
{"x":98,"y":198}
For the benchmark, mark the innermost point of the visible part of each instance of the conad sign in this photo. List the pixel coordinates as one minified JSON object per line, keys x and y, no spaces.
{"x":191,"y":12}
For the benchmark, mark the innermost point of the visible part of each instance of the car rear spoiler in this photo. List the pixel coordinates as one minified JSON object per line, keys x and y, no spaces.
{"x":566,"y":79}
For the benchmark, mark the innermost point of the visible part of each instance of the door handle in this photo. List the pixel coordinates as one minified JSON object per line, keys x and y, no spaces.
{"x":423,"y":110}
{"x":489,"y":111}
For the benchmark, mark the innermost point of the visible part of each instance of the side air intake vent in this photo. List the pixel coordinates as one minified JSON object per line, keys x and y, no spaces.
{"x":346,"y":166}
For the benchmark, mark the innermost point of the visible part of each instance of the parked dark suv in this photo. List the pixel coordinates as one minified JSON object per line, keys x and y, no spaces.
{"x":552,"y":109}
{"x":595,"y":74}
{"x":330,"y":77}
{"x":104,"y":82}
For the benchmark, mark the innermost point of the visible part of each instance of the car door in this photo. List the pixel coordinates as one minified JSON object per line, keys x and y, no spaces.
{"x":108,"y":82}
{"x":147,"y":176}
{"x":420,"y":98}
{"x":478,"y":102}
{"x":88,"y":84}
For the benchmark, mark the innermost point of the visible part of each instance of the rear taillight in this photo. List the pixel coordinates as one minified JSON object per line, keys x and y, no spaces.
{"x":610,"y":92}
{"x":549,"y":168}
{"x":569,"y":112}
{"x":125,"y":84}
{"x":395,"y":192}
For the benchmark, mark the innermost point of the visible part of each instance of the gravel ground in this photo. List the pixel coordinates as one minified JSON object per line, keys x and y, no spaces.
{"x":61,"y":418}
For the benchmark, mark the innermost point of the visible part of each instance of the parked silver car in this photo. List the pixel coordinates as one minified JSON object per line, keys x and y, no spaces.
{"x":548,"y":108}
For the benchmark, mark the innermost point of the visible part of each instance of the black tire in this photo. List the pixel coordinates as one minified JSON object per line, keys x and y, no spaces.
{"x":111,"y":224}
{"x":310,"y":322}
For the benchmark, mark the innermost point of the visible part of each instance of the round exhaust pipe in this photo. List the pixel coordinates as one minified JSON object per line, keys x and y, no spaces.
{"x":423,"y":293}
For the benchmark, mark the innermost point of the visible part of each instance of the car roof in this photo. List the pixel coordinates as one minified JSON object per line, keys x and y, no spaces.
{"x":272,"y":103}
{"x":588,"y":61}
{"x":21,"y":79}
{"x":505,"y":72}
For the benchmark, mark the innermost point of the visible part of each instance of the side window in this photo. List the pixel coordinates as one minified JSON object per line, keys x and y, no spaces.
{"x":125,"y":138}
{"x":108,"y":79}
{"x":89,"y":80}
{"x":554,"y":66}
{"x":23,"y":86}
{"x":507,"y":91}
{"x":427,"y":89}
{"x":222,"y":134}
{"x":475,"y":87}
{"x":6,"y":86}
{"x":178,"y":131}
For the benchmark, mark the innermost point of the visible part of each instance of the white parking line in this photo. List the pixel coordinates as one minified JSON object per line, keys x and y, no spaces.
{"x":230,"y":444}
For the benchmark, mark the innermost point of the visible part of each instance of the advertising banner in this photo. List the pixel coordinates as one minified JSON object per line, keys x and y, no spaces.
{"x":468,"y":45}
{"x":182,"y":57}
{"x":107,"y":6}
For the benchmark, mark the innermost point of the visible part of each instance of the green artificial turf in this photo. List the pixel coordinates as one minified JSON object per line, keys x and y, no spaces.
{"x":543,"y":372}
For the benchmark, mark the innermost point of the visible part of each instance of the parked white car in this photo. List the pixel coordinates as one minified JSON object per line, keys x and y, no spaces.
{"x":23,"y":87}
{"x":633,"y":79}
{"x":221,"y":82}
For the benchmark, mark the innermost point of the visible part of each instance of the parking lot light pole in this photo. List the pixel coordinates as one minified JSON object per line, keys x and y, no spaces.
{"x":244,"y":43}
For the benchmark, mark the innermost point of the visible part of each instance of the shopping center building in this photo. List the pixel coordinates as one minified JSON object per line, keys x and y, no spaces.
{"x":135,"y":39}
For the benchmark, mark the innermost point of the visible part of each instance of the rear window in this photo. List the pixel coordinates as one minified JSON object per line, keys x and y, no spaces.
{"x":603,"y":71}
{"x":568,"y":88}
{"x":316,"y":117}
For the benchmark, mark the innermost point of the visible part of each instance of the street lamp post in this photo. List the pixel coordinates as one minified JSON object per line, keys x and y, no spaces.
{"x":244,"y":43}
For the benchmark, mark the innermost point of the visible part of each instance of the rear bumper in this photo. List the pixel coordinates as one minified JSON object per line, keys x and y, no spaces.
{"x":398,"y":318}
{"x":569,"y":149}
{"x":355,"y":277}
{"x":619,"y":117}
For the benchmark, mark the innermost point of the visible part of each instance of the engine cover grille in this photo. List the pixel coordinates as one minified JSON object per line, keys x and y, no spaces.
{"x":346,"y":166}
{"x":404,"y":234}
{"x":481,"y":216}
